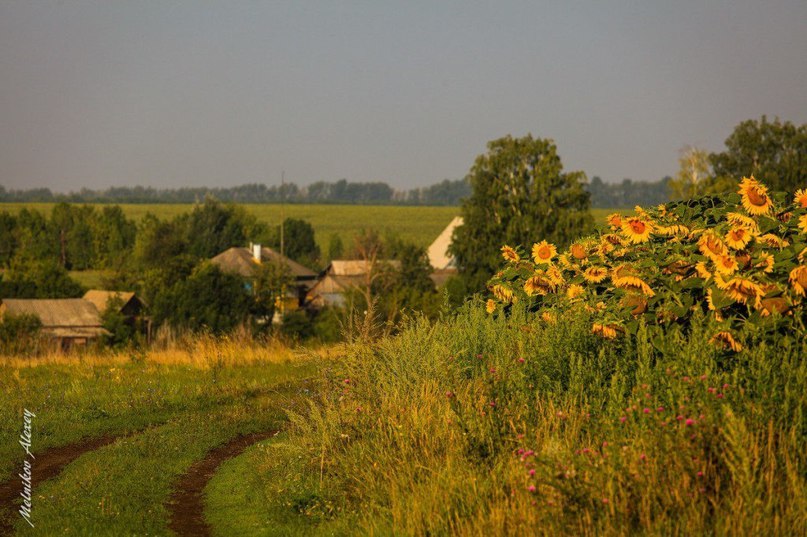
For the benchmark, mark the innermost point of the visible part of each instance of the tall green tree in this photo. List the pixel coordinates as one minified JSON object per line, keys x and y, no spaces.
{"x":213,"y":227}
{"x":774,"y":152}
{"x":520,"y":195}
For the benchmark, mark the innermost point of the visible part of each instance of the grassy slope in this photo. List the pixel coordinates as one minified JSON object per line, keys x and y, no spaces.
{"x":426,"y":434}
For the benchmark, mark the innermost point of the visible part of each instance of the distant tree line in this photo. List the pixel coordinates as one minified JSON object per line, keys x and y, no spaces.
{"x":445,"y":193}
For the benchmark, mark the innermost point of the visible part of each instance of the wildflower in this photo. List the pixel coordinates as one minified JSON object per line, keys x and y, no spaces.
{"x":801,"y":198}
{"x":492,"y":404}
{"x":531,"y":488}
{"x":605,"y":500}
{"x":623,"y":419}
{"x":646,"y":410}
{"x":509,"y":254}
{"x":700,"y":474}
{"x":660,"y":409}
{"x":642,"y":457}
{"x":798,"y":279}
{"x":490,"y":306}
{"x":532,"y":471}
{"x":689,"y":421}
{"x":543,"y":252}
{"x":595,"y":274}
{"x":449,"y":394}
{"x":347,"y":381}
{"x":737,"y":238}
{"x":548,"y":317}
{"x":521,"y":360}
{"x":726,"y":340}
{"x":575,"y":291}
{"x":637,"y":229}
{"x":754,"y":195}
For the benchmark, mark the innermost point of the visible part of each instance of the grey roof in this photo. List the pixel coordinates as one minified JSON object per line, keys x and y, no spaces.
{"x":60,"y":317}
{"x":240,"y":261}
{"x":356,"y":267}
{"x":100,"y":298}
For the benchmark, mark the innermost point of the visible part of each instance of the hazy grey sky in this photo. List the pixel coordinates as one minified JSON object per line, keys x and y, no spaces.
{"x":202,"y":93}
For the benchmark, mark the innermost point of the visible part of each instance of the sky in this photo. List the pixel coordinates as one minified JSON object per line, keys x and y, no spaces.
{"x":174,"y":93}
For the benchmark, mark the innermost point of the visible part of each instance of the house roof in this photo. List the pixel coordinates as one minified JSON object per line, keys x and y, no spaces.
{"x":62,"y":317}
{"x":356,"y":267}
{"x":240,"y":261}
{"x":100,"y":298}
{"x":438,"y":250}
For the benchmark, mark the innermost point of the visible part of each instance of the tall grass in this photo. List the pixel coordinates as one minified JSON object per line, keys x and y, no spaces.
{"x":479,"y":425}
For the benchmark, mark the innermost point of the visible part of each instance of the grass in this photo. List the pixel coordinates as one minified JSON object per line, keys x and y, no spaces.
{"x":483,"y":425}
{"x":178,"y":402}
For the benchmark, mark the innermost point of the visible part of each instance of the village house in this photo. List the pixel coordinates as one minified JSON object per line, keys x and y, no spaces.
{"x":128,"y":304}
{"x":341,"y":276}
{"x":245,"y":262}
{"x":67,"y":321}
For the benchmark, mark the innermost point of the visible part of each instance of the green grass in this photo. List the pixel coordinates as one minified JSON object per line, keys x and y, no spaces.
{"x":179,"y":404}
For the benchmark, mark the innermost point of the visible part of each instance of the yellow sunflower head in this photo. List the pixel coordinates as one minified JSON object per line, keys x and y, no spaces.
{"x":740,"y":220}
{"x":737,"y":238}
{"x":711,"y":246}
{"x":725,"y":264}
{"x":490,"y":306}
{"x":595,"y":274}
{"x":604,"y":331}
{"x":543,"y":252}
{"x":702,"y":270}
{"x":510,"y":255}
{"x":538,"y":284}
{"x":637,"y":229}
{"x":504,"y":294}
{"x":798,"y":279}
{"x":754,"y":197}
{"x":725,"y":340}
{"x":766,"y":263}
{"x":800,"y":199}
{"x":743,"y":290}
{"x":773,"y":241}
{"x":803,"y":223}
{"x":575,"y":291}
{"x":614,"y":220}
{"x":578,"y":251}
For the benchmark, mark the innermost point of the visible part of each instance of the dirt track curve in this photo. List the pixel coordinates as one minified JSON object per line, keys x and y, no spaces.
{"x":47,"y":465}
{"x":186,"y":506}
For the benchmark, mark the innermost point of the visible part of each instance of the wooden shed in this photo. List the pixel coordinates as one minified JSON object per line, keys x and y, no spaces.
{"x":69,"y":321}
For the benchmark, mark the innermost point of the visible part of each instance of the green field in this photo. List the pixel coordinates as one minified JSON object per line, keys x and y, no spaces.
{"x":420,"y":225}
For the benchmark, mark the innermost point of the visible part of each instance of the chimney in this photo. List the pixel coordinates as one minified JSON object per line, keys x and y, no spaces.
{"x":256,"y":252}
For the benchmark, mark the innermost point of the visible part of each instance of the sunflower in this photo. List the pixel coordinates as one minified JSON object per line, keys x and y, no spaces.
{"x":740,"y":220}
{"x":625,"y":278}
{"x":711,"y":246}
{"x":595,"y":274}
{"x":603,"y":330}
{"x":766,"y":263}
{"x":725,"y":264}
{"x":738,"y":237}
{"x":742,"y":290}
{"x":509,"y":254}
{"x":538,"y":284}
{"x":490,"y":306}
{"x":754,"y":196}
{"x":575,"y":291}
{"x":803,"y":223}
{"x":801,"y":198}
{"x":673,"y":230}
{"x":543,"y":252}
{"x":703,"y":272}
{"x":505,"y":294}
{"x":771,"y":240}
{"x":614,"y":220}
{"x":637,"y":229}
{"x":727,"y":341}
{"x":578,"y":251}
{"x":555,"y":275}
{"x":774,"y":304}
{"x":798,"y":279}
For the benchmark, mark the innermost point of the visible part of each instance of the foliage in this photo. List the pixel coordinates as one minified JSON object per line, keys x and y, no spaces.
{"x":694,"y":174}
{"x":519,"y":191}
{"x":208,"y":299}
{"x":213,"y":227}
{"x":739,"y":259}
{"x":38,"y":279}
{"x":19,"y":334}
{"x":771,"y":151}
{"x":298,"y":242}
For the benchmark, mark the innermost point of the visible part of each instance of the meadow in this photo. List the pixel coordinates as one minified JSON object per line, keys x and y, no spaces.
{"x":419,"y":225}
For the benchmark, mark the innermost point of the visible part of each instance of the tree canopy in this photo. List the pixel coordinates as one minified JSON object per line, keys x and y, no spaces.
{"x":520,"y":195}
